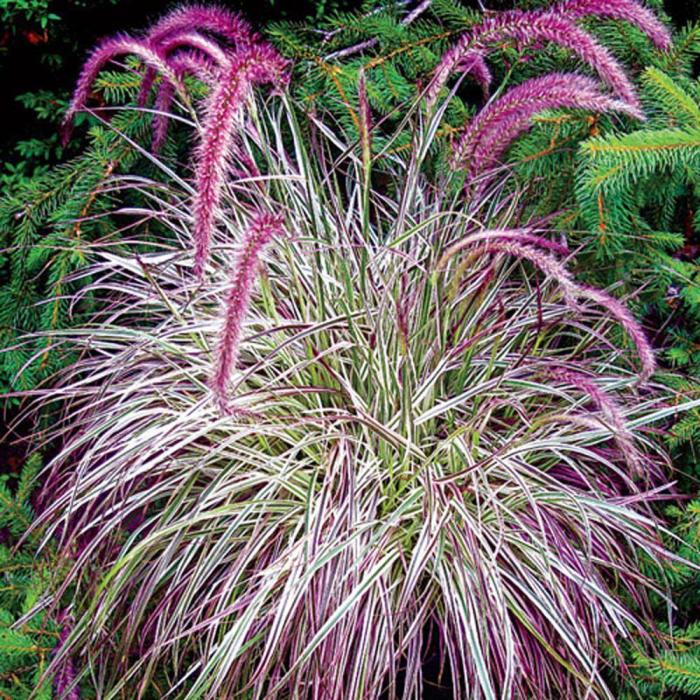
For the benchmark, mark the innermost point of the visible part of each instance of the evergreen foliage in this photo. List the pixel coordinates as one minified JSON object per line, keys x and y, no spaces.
{"x":47,"y":221}
{"x":28,"y":633}
{"x":673,"y":671}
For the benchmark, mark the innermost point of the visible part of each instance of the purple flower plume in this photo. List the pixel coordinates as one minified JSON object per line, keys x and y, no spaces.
{"x":611,"y":414}
{"x":209,"y":18}
{"x":215,"y":20}
{"x":523,"y":236}
{"x":181,"y":29}
{"x":101,"y":55}
{"x":493,"y":129}
{"x":161,"y":120}
{"x":474,"y":63}
{"x":529,"y":27}
{"x":194,"y":40}
{"x":256,"y":64}
{"x":211,"y":55}
{"x":173,"y":48}
{"x":196,"y":44}
{"x":258,"y":235}
{"x":628,"y":10}
{"x":628,"y":322}
{"x":185,"y":62}
{"x":194,"y":63}
{"x":572,"y":290}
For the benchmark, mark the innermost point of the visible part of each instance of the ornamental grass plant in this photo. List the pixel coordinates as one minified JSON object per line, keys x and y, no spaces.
{"x":341,"y":428}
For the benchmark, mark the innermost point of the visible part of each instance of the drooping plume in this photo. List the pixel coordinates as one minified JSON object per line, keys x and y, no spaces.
{"x":610,"y":412}
{"x":523,"y":236}
{"x":253,"y":65}
{"x":209,"y":53}
{"x":207,"y":18}
{"x":193,"y":40}
{"x":184,"y":63}
{"x":526,"y":28}
{"x":173,"y":48}
{"x":627,"y":10}
{"x":572,"y":290}
{"x":474,"y":63}
{"x":161,"y":119}
{"x":215,"y":20}
{"x":261,"y":230}
{"x":493,"y":129}
{"x":105,"y":52}
{"x":177,"y":33}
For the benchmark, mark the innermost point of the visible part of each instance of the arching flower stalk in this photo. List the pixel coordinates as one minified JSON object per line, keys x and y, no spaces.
{"x":204,"y":18}
{"x":480,"y":146}
{"x":260,"y":232}
{"x":626,"y":10}
{"x":525,"y":28}
{"x":98,"y":59}
{"x":174,"y":48}
{"x":556,"y":26}
{"x":176,"y":34}
{"x":215,"y":20}
{"x":572,"y":290}
{"x":611,"y":414}
{"x":253,"y":65}
{"x":474,"y":63}
{"x":493,"y":129}
{"x":209,"y":53}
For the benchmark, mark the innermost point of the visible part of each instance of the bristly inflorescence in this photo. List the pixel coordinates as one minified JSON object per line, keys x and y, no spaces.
{"x":525,"y":246}
{"x":510,"y":115}
{"x":495,"y":127}
{"x":232,"y":62}
{"x":262,"y":229}
{"x":254,"y":64}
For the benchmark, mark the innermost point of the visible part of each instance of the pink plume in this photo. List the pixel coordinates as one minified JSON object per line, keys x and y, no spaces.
{"x":612,"y":415}
{"x":527,"y":28}
{"x":253,"y":65}
{"x":230,"y":26}
{"x":493,"y":129}
{"x":628,"y":10}
{"x":198,"y":42}
{"x":261,"y":230}
{"x":572,"y":291}
{"x":105,"y":52}
{"x":216,"y":20}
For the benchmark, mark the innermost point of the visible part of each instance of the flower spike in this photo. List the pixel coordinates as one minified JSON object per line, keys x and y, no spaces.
{"x":215,"y":20}
{"x":529,"y":27}
{"x":490,"y":133}
{"x":105,"y":52}
{"x":611,"y":413}
{"x":260,"y":232}
{"x":571,"y":289}
{"x":627,"y":10}
{"x":254,"y":65}
{"x":229,"y":26}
